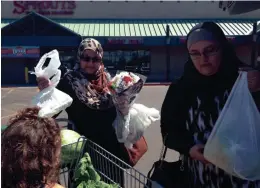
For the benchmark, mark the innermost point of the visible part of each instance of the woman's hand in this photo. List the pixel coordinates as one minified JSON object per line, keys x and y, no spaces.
{"x":253,"y":78}
{"x":196,"y":152}
{"x":123,"y":105}
{"x":43,"y":82}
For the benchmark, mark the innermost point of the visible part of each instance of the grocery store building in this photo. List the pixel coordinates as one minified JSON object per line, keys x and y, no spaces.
{"x":133,"y":34}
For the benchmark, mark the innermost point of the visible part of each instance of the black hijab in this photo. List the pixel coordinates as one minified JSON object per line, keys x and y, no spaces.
{"x":195,"y":93}
{"x":228,"y":70}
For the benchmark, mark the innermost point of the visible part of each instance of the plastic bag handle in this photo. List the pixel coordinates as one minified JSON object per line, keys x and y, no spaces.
{"x":56,"y":78}
{"x":53,"y":55}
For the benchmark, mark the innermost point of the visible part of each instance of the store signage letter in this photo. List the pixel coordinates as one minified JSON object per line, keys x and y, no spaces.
{"x":20,"y":51}
{"x":45,"y":7}
{"x":131,"y":41}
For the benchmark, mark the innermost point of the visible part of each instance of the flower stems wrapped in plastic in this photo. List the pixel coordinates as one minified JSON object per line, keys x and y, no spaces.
{"x":132,"y":119}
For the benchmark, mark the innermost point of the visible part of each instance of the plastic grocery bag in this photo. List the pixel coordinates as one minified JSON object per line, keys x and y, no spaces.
{"x":234,"y":143}
{"x":50,"y":100}
{"x":141,"y":117}
{"x":130,"y":129}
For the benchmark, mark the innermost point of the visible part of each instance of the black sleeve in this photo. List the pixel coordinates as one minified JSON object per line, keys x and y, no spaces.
{"x":173,"y":129}
{"x":63,"y":84}
{"x":256,"y":97}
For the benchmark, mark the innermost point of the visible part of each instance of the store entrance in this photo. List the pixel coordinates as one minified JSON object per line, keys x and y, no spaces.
{"x":138,"y":61}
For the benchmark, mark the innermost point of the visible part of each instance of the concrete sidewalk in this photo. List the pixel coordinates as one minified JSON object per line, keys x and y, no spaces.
{"x":146,"y":84}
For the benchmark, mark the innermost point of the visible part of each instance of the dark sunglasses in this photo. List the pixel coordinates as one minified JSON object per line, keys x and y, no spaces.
{"x":93,"y":59}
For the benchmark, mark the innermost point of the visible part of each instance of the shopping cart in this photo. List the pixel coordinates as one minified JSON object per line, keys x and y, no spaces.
{"x":111,"y":169}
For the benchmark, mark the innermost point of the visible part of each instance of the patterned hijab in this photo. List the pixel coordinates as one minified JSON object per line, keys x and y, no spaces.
{"x":92,"y":90}
{"x":89,"y":44}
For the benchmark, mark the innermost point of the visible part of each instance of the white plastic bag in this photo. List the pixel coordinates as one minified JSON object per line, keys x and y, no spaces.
{"x":139,"y":119}
{"x":234,"y":143}
{"x":142,"y":117}
{"x":50,"y":100}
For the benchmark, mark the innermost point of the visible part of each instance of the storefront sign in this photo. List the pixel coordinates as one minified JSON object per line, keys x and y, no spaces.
{"x":125,"y":41}
{"x":45,"y":7}
{"x":20,"y":52}
{"x":182,"y":40}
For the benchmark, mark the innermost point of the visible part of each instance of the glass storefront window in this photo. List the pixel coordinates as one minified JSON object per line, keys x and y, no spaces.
{"x":135,"y":61}
{"x":68,"y":59}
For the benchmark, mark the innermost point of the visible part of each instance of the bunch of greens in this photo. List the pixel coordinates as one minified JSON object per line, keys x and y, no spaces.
{"x":87,"y":177}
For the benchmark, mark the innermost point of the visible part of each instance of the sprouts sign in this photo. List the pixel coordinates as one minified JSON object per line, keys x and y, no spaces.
{"x":44,"y":7}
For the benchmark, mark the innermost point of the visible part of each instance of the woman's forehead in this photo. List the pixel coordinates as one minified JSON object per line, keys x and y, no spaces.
{"x":201,"y":45}
{"x":90,"y":53}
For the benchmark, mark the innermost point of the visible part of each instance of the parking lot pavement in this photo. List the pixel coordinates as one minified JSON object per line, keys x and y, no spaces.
{"x":14,"y":99}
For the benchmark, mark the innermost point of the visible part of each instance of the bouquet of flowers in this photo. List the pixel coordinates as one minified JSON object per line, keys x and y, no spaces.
{"x":125,"y":87}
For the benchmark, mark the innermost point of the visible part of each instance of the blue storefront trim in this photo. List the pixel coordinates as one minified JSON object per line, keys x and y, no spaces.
{"x":42,"y":41}
{"x":174,"y":40}
{"x":63,"y":41}
{"x":147,"y":41}
{"x":237,"y":40}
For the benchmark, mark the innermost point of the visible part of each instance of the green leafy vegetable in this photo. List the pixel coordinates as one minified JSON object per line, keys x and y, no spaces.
{"x":96,"y":184}
{"x":70,"y":146}
{"x":87,"y":177}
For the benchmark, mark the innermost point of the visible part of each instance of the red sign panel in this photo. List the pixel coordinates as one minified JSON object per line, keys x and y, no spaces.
{"x":129,"y":41}
{"x":20,"y":51}
{"x":45,"y":7}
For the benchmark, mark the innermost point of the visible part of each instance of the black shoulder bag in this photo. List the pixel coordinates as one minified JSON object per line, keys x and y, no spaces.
{"x":169,"y":174}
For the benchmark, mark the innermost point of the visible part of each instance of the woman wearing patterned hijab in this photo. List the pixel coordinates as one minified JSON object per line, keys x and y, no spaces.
{"x":92,"y":110}
{"x":192,"y":106}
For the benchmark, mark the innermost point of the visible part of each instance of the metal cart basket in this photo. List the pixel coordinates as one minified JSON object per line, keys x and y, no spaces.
{"x":111,"y":169}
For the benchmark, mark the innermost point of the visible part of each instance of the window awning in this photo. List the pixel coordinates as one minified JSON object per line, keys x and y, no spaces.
{"x":146,"y":28}
{"x":149,"y":28}
{"x":150,"y":32}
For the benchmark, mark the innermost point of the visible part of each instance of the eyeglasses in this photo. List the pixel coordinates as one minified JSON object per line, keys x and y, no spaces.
{"x":207,"y":53}
{"x":93,"y":59}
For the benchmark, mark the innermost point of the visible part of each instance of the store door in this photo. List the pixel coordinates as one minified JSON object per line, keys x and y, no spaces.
{"x":12,"y":72}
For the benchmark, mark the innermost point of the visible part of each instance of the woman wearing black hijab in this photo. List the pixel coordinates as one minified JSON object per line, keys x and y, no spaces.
{"x":192,"y":106}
